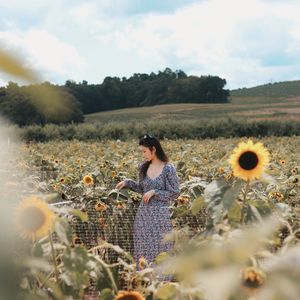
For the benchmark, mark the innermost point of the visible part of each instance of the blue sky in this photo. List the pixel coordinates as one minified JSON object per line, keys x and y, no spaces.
{"x":247,"y":42}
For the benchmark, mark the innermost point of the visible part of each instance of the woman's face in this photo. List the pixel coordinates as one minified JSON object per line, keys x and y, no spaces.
{"x":146,"y":152}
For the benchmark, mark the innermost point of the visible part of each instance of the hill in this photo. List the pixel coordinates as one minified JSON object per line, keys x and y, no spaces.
{"x":273,"y":90}
{"x":273,"y":101}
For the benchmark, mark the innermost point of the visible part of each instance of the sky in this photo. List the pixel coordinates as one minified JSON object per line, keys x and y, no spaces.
{"x":246,"y":42}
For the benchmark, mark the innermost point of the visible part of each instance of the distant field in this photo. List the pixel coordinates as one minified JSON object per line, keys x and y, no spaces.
{"x":253,"y":108}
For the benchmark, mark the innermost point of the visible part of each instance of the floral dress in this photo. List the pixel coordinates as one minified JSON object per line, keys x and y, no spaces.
{"x":152,"y":220}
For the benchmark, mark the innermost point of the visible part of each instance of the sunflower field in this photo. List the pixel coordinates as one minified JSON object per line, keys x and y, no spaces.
{"x":67,"y":231}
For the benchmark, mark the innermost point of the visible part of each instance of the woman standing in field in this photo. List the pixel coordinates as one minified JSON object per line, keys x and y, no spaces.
{"x":159,"y":184}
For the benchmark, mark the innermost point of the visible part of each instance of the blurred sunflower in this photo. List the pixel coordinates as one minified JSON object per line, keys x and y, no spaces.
{"x":99,"y":206}
{"x":294,"y":171}
{"x":121,"y":206}
{"x":76,"y":241}
{"x":276,"y":195}
{"x":282,"y":162}
{"x":102,"y":223}
{"x":88,"y":180}
{"x":249,"y":160}
{"x":252,"y":279}
{"x":33,"y":218}
{"x":221,"y":170}
{"x":183,"y":199}
{"x":143,"y":262}
{"x":129,"y":295}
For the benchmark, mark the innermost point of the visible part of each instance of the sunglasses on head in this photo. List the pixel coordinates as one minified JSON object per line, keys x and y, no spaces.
{"x":145,"y":136}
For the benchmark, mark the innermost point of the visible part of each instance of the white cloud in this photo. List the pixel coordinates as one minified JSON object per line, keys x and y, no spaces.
{"x":243,"y":41}
{"x":246,"y":42}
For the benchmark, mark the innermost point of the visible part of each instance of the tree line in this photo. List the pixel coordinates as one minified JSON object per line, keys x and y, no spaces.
{"x":113,"y":93}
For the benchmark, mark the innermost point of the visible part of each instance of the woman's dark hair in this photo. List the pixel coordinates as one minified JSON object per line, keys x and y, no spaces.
{"x":150,"y":141}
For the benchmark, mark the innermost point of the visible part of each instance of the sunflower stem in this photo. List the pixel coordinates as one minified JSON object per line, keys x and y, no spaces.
{"x":245,"y":197}
{"x":109,"y":273}
{"x":53,"y":257}
{"x":246,"y":190}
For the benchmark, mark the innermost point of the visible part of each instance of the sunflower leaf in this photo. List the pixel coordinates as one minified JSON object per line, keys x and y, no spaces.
{"x":197,"y":204}
{"x":166,"y":291}
{"x":106,"y":294}
{"x":82,"y":215}
{"x":231,"y":194}
{"x":64,"y":231}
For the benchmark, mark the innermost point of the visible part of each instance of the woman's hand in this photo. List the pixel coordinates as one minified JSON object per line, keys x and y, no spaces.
{"x":148,"y":195}
{"x":120,"y":185}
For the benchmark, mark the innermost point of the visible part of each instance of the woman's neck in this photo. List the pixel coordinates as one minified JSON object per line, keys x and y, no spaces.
{"x":156,"y":161}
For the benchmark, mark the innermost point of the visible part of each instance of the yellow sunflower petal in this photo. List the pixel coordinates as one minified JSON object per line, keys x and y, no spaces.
{"x":132,"y":295}
{"x":33,"y":218}
{"x":88,"y":180}
{"x":249,"y":160}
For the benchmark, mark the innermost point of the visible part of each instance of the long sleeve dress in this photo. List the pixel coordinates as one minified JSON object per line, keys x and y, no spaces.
{"x":152,"y":220}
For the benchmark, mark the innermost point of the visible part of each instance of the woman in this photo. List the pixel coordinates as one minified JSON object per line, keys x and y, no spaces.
{"x":159,"y":184}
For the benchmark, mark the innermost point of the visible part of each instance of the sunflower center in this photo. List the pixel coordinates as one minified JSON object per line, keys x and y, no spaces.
{"x":248,"y":160}
{"x":32,"y":218}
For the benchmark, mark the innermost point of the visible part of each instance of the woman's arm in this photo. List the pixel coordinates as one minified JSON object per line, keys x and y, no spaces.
{"x":136,"y":186}
{"x":172,"y":186}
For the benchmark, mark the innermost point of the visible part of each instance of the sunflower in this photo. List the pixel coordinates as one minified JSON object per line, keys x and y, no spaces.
{"x":129,"y":295}
{"x":183,"y":199}
{"x":76,"y":241}
{"x":62,"y":180}
{"x":294,"y":171}
{"x":88,"y":180}
{"x":276,"y":195}
{"x":33,"y":218}
{"x":282,"y":162}
{"x":143,"y":262}
{"x":121,"y":206}
{"x":249,"y":160}
{"x":221,"y":170}
{"x":102,"y":223}
{"x":252,"y":279}
{"x":99,"y":206}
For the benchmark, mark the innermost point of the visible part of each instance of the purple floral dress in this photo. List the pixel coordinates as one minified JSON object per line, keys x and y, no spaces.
{"x":152,"y":219}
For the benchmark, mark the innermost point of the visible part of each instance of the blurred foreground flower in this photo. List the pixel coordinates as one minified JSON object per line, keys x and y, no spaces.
{"x":252,"y":279}
{"x":13,"y":65}
{"x":33,"y":218}
{"x":129,"y":295}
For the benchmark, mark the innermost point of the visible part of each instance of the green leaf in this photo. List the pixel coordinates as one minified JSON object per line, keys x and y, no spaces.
{"x":214,"y":192}
{"x":166,"y":292}
{"x":104,"y":282}
{"x":38,"y":264}
{"x":161,"y":257}
{"x":64,"y":231}
{"x":82,"y":215}
{"x":231,"y":194}
{"x":106,"y":294}
{"x":197,"y":204}
{"x":180,"y":211}
{"x":235,"y":212}
{"x":37,"y":250}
